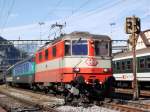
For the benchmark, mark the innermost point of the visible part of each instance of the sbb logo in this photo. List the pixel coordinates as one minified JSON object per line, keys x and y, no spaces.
{"x":91,"y":62}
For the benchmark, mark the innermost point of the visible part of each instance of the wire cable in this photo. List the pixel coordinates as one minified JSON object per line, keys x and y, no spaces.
{"x":2,"y":10}
{"x":76,"y":10}
{"x":8,"y":14}
{"x":53,"y":10}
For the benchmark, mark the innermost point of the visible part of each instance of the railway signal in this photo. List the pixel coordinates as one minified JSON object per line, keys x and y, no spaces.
{"x":133,"y":27}
{"x":128,"y":25}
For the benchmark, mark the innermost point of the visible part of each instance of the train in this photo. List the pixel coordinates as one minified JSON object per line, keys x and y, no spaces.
{"x":76,"y":64}
{"x":123,"y":72}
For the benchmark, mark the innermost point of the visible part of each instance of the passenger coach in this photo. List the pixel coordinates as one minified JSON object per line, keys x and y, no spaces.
{"x":123,"y":72}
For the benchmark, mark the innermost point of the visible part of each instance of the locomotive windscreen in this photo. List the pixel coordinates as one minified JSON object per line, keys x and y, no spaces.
{"x":101,"y":48}
{"x":79,"y":47}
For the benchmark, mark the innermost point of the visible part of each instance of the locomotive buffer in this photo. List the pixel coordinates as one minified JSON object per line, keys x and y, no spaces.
{"x":133,"y":28}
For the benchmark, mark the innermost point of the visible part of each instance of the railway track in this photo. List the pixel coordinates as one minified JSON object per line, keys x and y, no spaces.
{"x":116,"y":104}
{"x":144,"y":93}
{"x":43,"y":102}
{"x":124,"y":108}
{"x":10,"y":104}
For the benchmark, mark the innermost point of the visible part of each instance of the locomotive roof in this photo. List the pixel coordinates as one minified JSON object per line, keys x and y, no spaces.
{"x":76,"y":35}
{"x":85,"y":35}
{"x":129,"y":53}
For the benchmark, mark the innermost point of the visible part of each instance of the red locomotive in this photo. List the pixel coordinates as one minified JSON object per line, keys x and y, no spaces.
{"x":79,"y":62}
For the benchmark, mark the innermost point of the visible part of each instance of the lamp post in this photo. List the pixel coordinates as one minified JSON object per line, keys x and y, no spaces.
{"x":41,"y":23}
{"x":111,"y":25}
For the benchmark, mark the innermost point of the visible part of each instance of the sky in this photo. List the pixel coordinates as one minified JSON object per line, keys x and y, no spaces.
{"x":19,"y":19}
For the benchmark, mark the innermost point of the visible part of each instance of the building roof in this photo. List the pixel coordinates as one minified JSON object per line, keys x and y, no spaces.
{"x":129,"y":53}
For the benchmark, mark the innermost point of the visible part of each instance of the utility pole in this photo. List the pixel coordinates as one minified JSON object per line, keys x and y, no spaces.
{"x":133,"y":28}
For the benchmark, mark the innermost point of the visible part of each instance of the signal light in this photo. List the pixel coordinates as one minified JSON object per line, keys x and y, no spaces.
{"x":133,"y":25}
{"x":137,"y":25}
{"x":128,"y":26}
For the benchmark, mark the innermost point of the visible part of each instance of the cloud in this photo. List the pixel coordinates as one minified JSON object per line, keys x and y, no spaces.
{"x":13,"y":15}
{"x":95,"y":21}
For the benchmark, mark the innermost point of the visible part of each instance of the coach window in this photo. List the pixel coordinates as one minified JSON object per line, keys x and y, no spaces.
{"x":46,"y":54}
{"x":40,"y":56}
{"x":128,"y":64}
{"x":118,"y":65}
{"x":114,"y":66}
{"x":79,"y":47}
{"x":67,"y":48}
{"x":148,"y":62}
{"x":142,"y":63}
{"x":54,"y":51}
{"x":123,"y":65}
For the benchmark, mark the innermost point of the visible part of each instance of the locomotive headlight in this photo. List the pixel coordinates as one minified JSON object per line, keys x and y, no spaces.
{"x":105,"y":70}
{"x":86,"y":82}
{"x":100,"y":82}
{"x":76,"y":69}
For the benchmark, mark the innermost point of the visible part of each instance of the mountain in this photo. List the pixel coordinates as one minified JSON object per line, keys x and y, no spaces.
{"x":9,"y":54}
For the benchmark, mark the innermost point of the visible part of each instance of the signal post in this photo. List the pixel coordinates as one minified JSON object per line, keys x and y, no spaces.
{"x":133,"y":28}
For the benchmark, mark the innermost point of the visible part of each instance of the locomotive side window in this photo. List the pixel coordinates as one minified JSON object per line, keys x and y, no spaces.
{"x":101,"y":48}
{"x":67,"y":48}
{"x":40,"y":56}
{"x":46,"y":54}
{"x":79,"y":47}
{"x":54,"y":51}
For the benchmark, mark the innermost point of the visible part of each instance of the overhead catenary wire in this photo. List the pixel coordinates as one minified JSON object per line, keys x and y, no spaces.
{"x":53,"y":10}
{"x":3,"y":3}
{"x":91,"y":11}
{"x":73,"y":12}
{"x":76,"y":10}
{"x":7,"y":16}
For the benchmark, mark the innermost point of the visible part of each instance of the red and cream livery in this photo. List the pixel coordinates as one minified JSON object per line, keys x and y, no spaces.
{"x":73,"y":55}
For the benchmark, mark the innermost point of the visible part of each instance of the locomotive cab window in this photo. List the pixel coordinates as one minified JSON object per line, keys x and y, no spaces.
{"x":101,"y":48}
{"x":79,"y":47}
{"x":67,"y":48}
